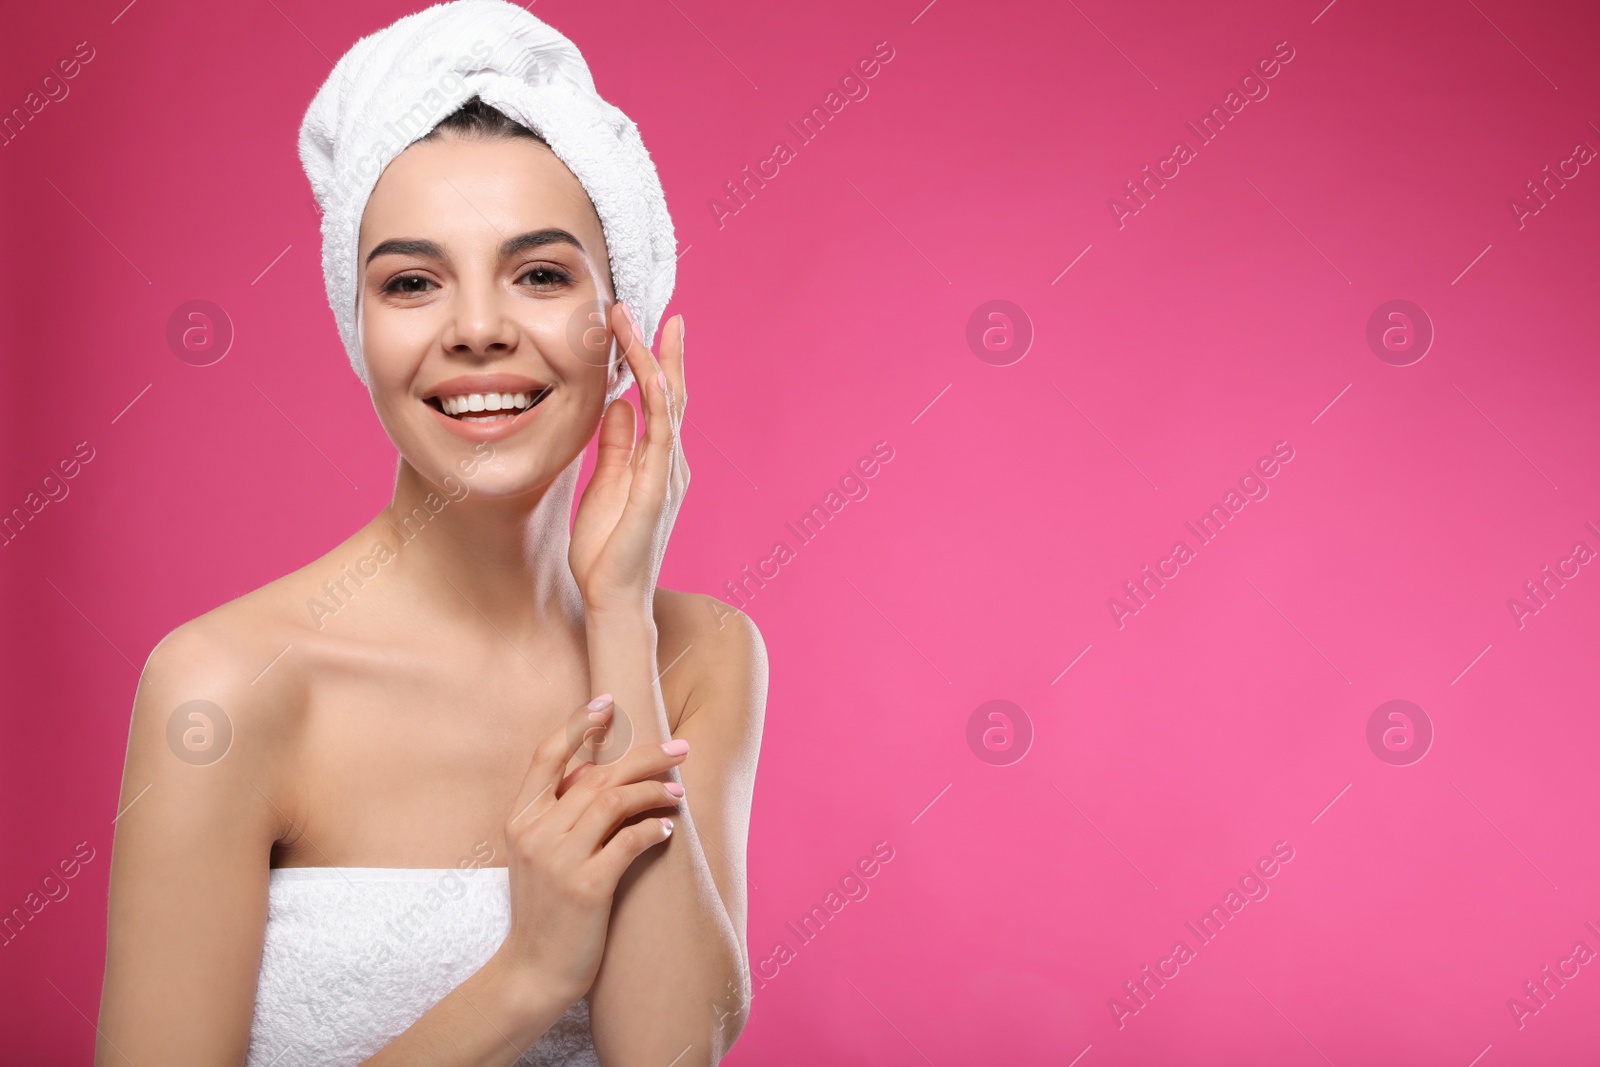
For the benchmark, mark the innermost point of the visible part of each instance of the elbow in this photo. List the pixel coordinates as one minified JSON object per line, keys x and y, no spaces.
{"x":732,"y":1013}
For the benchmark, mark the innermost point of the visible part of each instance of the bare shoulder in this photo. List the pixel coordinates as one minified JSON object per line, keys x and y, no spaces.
{"x":228,"y":649}
{"x":205,"y":796}
{"x":719,"y":647}
{"x":230,"y":688}
{"x":239,"y":650}
{"x":217,"y":709}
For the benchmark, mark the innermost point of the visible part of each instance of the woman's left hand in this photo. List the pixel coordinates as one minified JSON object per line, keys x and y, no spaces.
{"x":619,"y":536}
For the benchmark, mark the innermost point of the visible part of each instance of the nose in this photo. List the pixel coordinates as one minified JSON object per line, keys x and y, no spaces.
{"x":479,"y":326}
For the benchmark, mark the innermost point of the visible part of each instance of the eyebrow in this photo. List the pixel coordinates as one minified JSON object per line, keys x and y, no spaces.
{"x":508,"y":248}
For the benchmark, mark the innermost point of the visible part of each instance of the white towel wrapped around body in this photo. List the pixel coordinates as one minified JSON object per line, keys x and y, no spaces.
{"x":353,"y":956}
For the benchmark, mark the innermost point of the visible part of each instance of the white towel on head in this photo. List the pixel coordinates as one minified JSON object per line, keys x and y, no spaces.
{"x":395,"y":85}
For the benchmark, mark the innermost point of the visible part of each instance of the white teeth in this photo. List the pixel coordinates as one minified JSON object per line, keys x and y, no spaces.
{"x":460,"y":405}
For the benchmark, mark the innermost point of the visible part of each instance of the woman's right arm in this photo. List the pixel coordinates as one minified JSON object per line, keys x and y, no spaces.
{"x":201,"y":806}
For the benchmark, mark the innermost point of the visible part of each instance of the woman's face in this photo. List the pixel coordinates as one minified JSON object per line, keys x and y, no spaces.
{"x":485,"y":285}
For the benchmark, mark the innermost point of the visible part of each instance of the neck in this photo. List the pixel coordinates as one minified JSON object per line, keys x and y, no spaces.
{"x":504,"y":558}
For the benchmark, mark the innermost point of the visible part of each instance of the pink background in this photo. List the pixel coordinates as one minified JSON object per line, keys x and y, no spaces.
{"x":831,"y":313}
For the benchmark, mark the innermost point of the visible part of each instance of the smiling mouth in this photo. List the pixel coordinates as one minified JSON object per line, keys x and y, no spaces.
{"x":487,"y":407}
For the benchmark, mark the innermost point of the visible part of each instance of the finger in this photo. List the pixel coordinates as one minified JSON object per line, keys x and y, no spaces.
{"x":661,"y":428}
{"x":616,"y":437}
{"x":550,"y":757}
{"x":606,"y":494}
{"x":612,"y":807}
{"x":630,"y":341}
{"x":629,"y":843}
{"x":636,"y":353}
{"x":637,"y":764}
{"x":585,"y":762}
{"x":577,"y":765}
{"x":654,"y":385}
{"x":672,"y":362}
{"x":652,"y":460}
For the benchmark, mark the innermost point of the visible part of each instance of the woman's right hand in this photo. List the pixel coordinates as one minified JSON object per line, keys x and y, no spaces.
{"x":563,"y":869}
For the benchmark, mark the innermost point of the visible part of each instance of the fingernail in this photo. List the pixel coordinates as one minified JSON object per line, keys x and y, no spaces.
{"x":599,"y":702}
{"x":676,"y":747}
{"x":674,"y":788}
{"x":667,"y":825}
{"x":661,"y":380}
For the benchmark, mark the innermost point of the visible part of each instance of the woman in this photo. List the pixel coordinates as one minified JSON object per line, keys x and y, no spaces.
{"x":361,"y":821}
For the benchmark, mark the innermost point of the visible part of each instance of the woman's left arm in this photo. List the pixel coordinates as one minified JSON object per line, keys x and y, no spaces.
{"x":674,"y":983}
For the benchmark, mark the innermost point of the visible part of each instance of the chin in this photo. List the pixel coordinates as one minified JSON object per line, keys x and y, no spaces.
{"x":504,"y":478}
{"x":505,"y":468}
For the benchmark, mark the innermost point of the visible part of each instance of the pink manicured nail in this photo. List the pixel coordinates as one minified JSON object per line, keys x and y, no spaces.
{"x":627,"y":313}
{"x":676,"y":747}
{"x":600,"y":701}
{"x":667,"y":825}
{"x":674,"y":788}
{"x":661,"y":379}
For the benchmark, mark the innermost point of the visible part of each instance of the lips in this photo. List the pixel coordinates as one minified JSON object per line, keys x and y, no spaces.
{"x":486,"y":406}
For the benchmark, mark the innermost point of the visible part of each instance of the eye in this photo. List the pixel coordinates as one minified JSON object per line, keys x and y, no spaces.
{"x":546,"y":276}
{"x":401,"y":283}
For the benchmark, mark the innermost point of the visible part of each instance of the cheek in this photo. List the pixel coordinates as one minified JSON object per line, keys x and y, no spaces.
{"x":393,"y":340}
{"x":577,"y":341}
{"x":391,"y":375}
{"x":392,"y":368}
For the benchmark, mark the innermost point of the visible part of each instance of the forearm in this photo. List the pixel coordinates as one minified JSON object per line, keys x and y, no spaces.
{"x":673,"y":982}
{"x":489,"y":1020}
